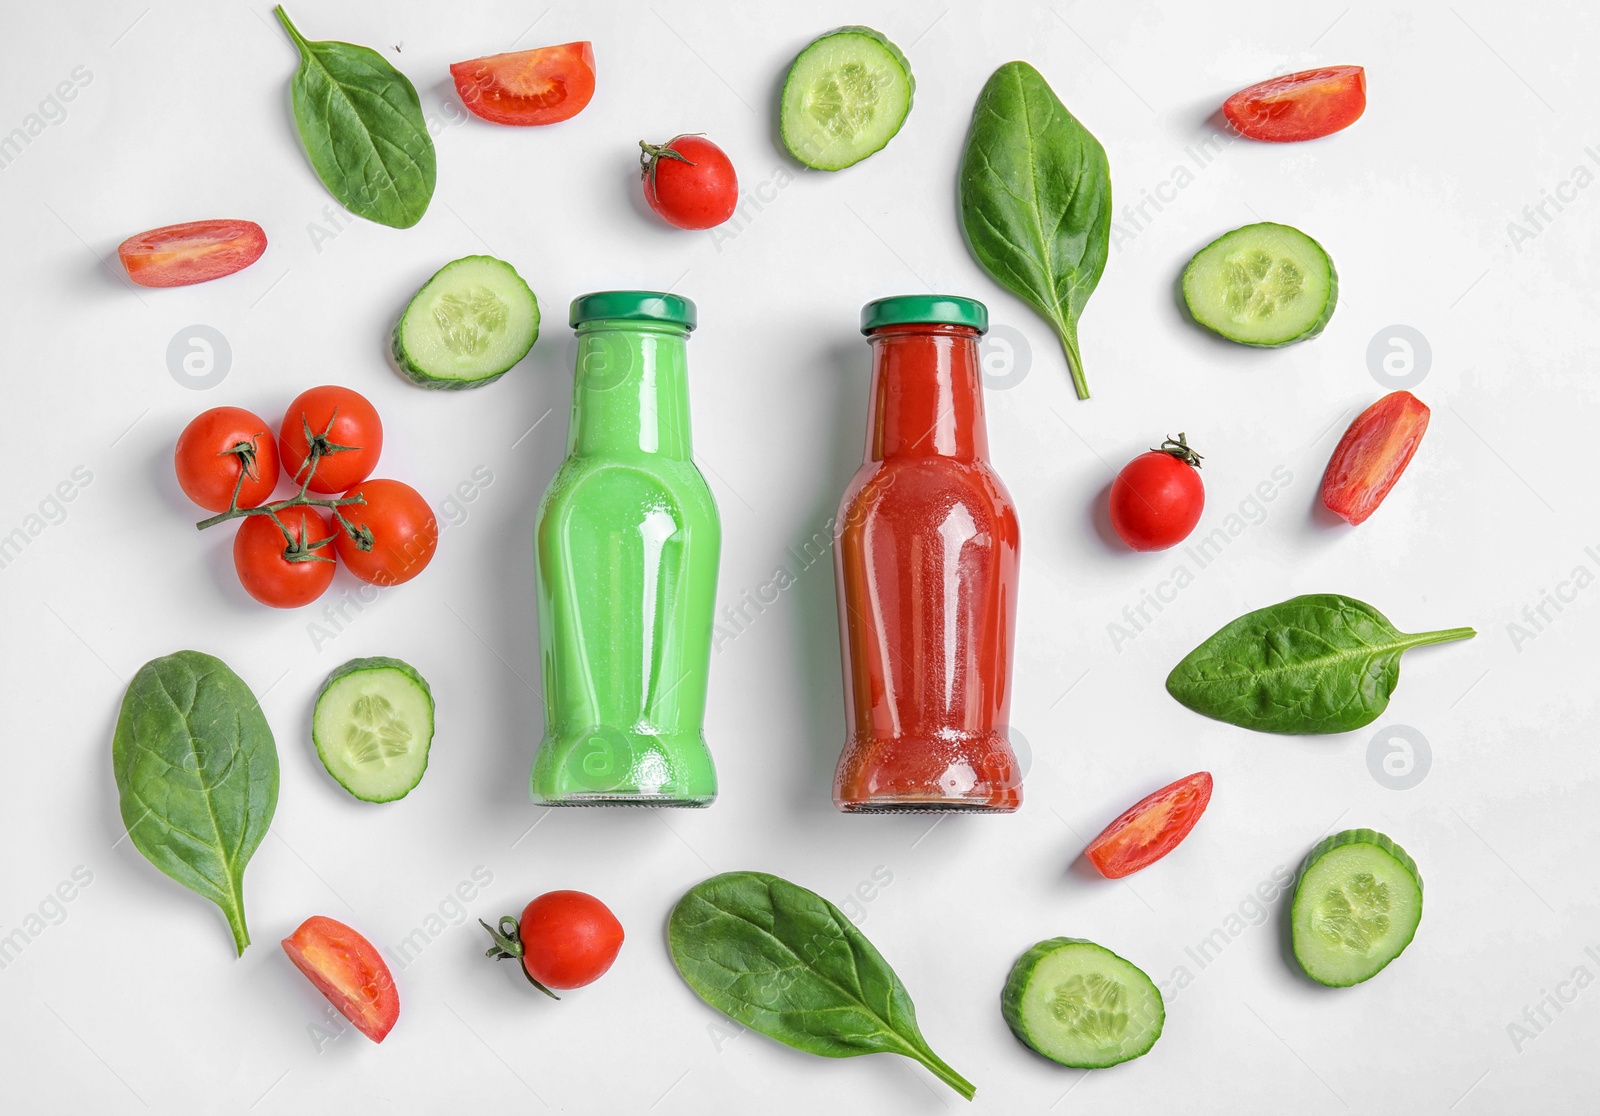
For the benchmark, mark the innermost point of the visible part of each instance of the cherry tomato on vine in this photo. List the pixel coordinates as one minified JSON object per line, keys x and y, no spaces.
{"x":344,"y":429}
{"x":542,"y":86}
{"x":177,"y":255}
{"x":565,"y":939}
{"x":399,"y":526}
{"x":1150,"y":828}
{"x":689,"y":181}
{"x":285,"y":572}
{"x":1302,"y":106}
{"x":1157,"y":498}
{"x":216,"y":447}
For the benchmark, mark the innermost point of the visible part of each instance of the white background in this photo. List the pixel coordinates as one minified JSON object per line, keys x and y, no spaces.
{"x":134,"y":1001}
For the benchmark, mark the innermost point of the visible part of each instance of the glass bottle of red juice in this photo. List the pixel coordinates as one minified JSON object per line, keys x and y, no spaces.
{"x":926,"y":562}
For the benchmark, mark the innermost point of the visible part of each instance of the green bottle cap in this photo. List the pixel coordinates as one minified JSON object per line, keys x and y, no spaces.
{"x":930,"y":309}
{"x":633,"y":306}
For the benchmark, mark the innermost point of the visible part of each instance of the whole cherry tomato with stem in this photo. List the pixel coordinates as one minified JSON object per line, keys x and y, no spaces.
{"x":565,"y":939}
{"x":689,"y":181}
{"x":1157,"y":498}
{"x":330,"y":439}
{"x":285,"y":558}
{"x":390,"y":536}
{"x":227,"y":457}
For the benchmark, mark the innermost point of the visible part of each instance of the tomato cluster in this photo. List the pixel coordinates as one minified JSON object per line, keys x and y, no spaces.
{"x":230,"y":461}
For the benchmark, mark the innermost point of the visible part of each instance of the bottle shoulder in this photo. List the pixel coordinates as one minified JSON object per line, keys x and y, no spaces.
{"x":629,"y":491}
{"x":928,"y":484}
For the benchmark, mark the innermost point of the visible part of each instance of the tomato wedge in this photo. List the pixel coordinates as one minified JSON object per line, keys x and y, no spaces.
{"x":1303,"y":106}
{"x":178,"y":255}
{"x":349,"y":971}
{"x":541,"y":86}
{"x":1372,"y":454}
{"x":1150,"y":828}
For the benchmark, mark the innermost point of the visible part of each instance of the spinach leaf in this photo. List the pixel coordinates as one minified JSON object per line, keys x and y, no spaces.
{"x":1313,"y":664}
{"x":197,"y":774}
{"x":1035,"y":192}
{"x":786,"y":962}
{"x":362,"y":127}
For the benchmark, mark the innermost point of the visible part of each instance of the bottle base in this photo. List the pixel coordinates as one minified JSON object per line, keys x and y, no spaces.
{"x":604,"y":766}
{"x":924,"y":806}
{"x":960,"y":774}
{"x":659,"y":801}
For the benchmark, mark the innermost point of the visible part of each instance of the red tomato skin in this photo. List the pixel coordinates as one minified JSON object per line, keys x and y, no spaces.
{"x":1111,"y":852}
{"x":1303,"y":106}
{"x":266,"y":574}
{"x":1156,"y":501}
{"x":405,"y":533}
{"x":193,"y":252}
{"x":697,"y":196}
{"x":1374,"y":451}
{"x":569,"y":939}
{"x":349,"y":972}
{"x":207,"y":472}
{"x":528,"y":87}
{"x":355,"y":423}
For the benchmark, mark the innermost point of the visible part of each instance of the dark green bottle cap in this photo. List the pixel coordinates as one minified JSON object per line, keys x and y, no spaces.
{"x":928,"y":309}
{"x":633,"y":306}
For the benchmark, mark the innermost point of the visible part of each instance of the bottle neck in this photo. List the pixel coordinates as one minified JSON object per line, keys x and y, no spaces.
{"x":630,"y":392}
{"x":927,"y":397}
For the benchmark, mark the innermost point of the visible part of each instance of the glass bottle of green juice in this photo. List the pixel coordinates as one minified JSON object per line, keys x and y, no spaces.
{"x":625,"y":553}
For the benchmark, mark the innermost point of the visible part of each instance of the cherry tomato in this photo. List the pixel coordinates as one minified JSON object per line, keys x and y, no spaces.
{"x":1373,"y":453}
{"x":349,"y":971}
{"x":177,"y":255}
{"x":343,"y":425}
{"x":281,"y":573}
{"x":398,"y":524}
{"x":1303,"y":106}
{"x":1150,"y":828}
{"x":542,"y":86}
{"x":216,"y":447}
{"x":1157,"y":498}
{"x":564,"y":939}
{"x":689,"y":181}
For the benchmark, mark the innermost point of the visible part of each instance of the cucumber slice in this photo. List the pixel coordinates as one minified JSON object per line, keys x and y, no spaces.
{"x":1079,"y":1004}
{"x":1356,"y":907}
{"x":845,"y":97}
{"x":1263,"y":284}
{"x":372,"y":726}
{"x":467,"y":326}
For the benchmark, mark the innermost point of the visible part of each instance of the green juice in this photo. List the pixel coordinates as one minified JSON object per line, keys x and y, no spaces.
{"x":626,"y":550}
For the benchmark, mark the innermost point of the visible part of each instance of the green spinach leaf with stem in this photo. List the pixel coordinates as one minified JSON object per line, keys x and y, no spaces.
{"x":362,"y":127}
{"x":197,"y":776}
{"x":1314,"y":664}
{"x":1035,"y":193}
{"x":786,"y":962}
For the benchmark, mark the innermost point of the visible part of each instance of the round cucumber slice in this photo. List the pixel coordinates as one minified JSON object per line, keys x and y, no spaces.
{"x":467,"y":326}
{"x":845,"y":97}
{"x":372,"y":726}
{"x":1262,"y":284}
{"x":1356,"y":907}
{"x":1079,"y":1004}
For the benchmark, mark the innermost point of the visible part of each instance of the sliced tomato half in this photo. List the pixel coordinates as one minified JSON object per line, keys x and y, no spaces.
{"x":1150,"y":828}
{"x":1303,"y":106}
{"x":1373,"y":453}
{"x":178,"y":255}
{"x":349,"y":971}
{"x":541,"y":86}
